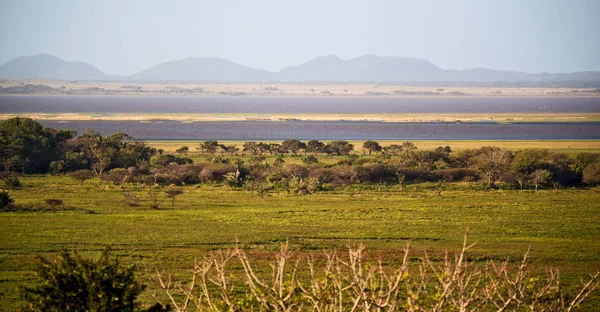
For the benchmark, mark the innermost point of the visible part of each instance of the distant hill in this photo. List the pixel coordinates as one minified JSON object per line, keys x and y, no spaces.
{"x":44,"y":66}
{"x":328,"y":69}
{"x":368,"y":68}
{"x":202,"y":69}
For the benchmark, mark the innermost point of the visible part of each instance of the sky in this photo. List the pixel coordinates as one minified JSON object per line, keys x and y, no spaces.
{"x":124,"y":37}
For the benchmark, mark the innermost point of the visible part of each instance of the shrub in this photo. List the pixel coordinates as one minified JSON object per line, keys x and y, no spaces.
{"x":131,"y":199}
{"x":352,"y":281}
{"x":591,"y":174}
{"x":5,"y":200}
{"x":81,"y":175}
{"x":53,"y":202}
{"x":11,"y":182}
{"x":310,"y":159}
{"x":71,"y":283}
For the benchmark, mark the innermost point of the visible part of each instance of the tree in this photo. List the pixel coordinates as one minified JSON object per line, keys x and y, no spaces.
{"x":315,"y":147}
{"x":81,"y":175}
{"x":71,"y":283}
{"x":209,"y":147}
{"x":340,"y":148}
{"x":371,"y":146}
{"x":540,"y":176}
{"x":529,"y":160}
{"x":27,"y":146}
{"x":293,"y":145}
{"x":173,"y":192}
{"x":491,"y":162}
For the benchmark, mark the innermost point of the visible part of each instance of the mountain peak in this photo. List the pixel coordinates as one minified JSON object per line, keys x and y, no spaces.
{"x":46,"y":66}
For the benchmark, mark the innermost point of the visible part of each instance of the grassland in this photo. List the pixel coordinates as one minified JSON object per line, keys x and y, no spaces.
{"x":562,"y":227}
{"x":566,"y":146}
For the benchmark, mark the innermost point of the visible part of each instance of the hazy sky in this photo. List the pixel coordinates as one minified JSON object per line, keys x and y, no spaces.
{"x":123,"y":37}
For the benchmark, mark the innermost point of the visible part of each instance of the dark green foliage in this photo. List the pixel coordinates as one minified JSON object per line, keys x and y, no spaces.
{"x":293,"y":146}
{"x":27,"y":146}
{"x":315,"y":147}
{"x":72,"y":283}
{"x":5,"y":200}
{"x":159,"y":161}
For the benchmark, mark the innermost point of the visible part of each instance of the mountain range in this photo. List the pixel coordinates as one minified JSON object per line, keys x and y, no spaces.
{"x":367,"y":68}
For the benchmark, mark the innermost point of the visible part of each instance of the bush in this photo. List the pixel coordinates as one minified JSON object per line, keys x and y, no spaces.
{"x":53,"y":202}
{"x":81,"y":175}
{"x":5,"y":200}
{"x":71,"y":283}
{"x":11,"y":182}
{"x":131,"y":199}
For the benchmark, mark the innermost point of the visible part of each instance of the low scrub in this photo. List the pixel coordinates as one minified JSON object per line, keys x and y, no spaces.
{"x":338,"y":282}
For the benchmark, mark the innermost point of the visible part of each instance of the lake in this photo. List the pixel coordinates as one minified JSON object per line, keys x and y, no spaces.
{"x":337,"y":130}
{"x":321,"y":130}
{"x":296,"y":105}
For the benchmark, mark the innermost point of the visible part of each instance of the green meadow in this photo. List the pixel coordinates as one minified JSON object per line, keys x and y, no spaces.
{"x":561,"y":227}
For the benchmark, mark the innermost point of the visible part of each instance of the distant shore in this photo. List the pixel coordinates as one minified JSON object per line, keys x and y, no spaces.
{"x":458,"y":118}
{"x":56,"y":87}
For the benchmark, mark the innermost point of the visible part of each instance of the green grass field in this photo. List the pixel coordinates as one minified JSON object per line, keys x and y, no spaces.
{"x":562,"y":227}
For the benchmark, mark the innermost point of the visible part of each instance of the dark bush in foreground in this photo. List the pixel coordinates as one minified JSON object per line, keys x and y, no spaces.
{"x":71,"y":283}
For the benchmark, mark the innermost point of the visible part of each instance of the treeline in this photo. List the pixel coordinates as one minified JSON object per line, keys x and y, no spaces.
{"x":28,"y":147}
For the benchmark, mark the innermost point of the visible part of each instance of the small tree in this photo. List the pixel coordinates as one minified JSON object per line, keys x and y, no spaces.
{"x":153,"y":192}
{"x":81,"y":175}
{"x":209,"y":147}
{"x":540,"y":176}
{"x":371,"y":146}
{"x":401,"y":177}
{"x":71,"y":283}
{"x":173,"y":192}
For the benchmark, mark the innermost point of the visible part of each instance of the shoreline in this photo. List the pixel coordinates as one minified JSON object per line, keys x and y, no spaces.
{"x":398,"y":118}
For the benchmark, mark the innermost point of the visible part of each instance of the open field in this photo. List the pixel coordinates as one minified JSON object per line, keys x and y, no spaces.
{"x":282,"y":89}
{"x":562,"y":227}
{"x":465,"y":117}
